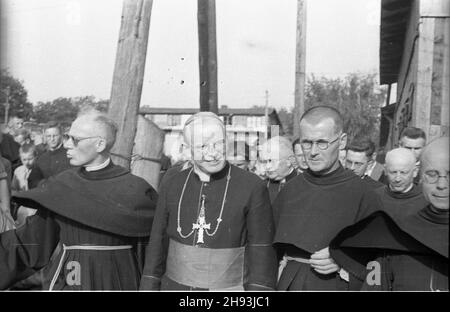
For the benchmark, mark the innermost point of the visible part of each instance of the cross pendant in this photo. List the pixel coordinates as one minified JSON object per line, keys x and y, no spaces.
{"x":201,"y":224}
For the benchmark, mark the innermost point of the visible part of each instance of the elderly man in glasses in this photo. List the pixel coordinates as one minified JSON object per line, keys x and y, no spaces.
{"x":213,"y":226}
{"x":99,"y":212}
{"x":314,"y":206}
{"x":389,"y":251}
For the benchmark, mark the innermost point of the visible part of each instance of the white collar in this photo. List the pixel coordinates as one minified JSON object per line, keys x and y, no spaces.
{"x":370,"y":169}
{"x":98,"y":167}
{"x":405,"y":191}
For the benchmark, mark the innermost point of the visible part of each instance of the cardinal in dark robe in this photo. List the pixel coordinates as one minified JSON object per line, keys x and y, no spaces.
{"x":213,"y":226}
{"x":403,"y":250}
{"x":316,"y":205}
{"x":100,"y":213}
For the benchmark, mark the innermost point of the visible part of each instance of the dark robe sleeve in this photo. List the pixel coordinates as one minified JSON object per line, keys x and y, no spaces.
{"x":27,"y":249}
{"x":157,"y":248}
{"x":260,"y":255}
{"x":35,"y":177}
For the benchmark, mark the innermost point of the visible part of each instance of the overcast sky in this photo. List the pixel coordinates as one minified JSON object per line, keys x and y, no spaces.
{"x":67,"y":47}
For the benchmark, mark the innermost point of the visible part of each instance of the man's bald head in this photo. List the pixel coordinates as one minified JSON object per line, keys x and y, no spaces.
{"x":202,"y":122}
{"x":318,"y":114}
{"x":98,"y":124}
{"x":436,"y":151}
{"x":435,"y":167}
{"x":400,"y":155}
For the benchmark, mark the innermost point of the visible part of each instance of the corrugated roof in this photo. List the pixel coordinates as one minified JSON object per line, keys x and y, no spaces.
{"x":394,"y":22}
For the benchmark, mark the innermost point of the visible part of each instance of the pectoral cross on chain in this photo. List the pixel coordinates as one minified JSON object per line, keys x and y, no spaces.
{"x":201,"y":224}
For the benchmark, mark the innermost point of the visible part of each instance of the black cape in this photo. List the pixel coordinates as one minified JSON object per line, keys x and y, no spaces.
{"x":124,"y":205}
{"x":417,"y":233}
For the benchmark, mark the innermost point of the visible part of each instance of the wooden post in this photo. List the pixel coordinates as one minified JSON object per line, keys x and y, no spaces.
{"x":300,"y":66}
{"x":207,"y":49}
{"x":129,"y":75}
{"x":147,"y":151}
{"x":266,"y":115}
{"x":7,"y":106}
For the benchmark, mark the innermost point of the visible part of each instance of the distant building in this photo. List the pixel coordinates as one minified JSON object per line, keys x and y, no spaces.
{"x":242,"y":124}
{"x":415,"y":55}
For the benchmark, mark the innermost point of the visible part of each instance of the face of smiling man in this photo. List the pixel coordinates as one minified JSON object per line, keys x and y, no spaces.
{"x":435,"y":167}
{"x":205,"y":136}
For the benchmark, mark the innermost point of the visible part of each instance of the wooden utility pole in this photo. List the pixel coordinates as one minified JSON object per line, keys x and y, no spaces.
{"x":300,"y":66}
{"x":7,"y":105}
{"x":129,"y":75}
{"x":266,"y":114}
{"x":147,"y":152}
{"x":206,"y":17}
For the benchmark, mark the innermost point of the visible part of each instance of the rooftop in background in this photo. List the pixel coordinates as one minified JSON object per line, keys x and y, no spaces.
{"x":394,"y":23}
{"x":223,"y":110}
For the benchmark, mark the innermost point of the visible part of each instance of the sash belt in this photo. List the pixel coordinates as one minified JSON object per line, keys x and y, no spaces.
{"x":82,"y":247}
{"x":285,"y":260}
{"x":209,"y":268}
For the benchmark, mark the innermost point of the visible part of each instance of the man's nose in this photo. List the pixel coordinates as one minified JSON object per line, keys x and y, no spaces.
{"x":68,"y":144}
{"x":314,"y":149}
{"x":442,"y":183}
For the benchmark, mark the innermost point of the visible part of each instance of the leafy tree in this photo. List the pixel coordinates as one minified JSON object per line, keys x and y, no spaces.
{"x":357,"y":96}
{"x":65,"y":110}
{"x":18,"y":96}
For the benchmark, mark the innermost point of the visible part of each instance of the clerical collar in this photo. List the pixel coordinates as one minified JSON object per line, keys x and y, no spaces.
{"x":412,"y":191}
{"x":204,"y":177}
{"x":98,"y":167}
{"x":435,"y":215}
{"x":287,"y":178}
{"x":337,"y":176}
{"x":402,"y":192}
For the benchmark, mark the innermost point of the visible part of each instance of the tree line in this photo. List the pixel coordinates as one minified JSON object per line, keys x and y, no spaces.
{"x":357,"y":96}
{"x":63,"y":109}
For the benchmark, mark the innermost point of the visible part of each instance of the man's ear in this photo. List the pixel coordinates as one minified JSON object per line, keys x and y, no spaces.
{"x":291,"y":161}
{"x":343,"y":141}
{"x":101,"y":145}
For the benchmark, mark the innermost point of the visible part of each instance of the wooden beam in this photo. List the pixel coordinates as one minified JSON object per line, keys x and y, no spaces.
{"x":129,"y":75}
{"x":422,"y":101}
{"x":147,"y":151}
{"x":300,"y":66}
{"x":206,"y":18}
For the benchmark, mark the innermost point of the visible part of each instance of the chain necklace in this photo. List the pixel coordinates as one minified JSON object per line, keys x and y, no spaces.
{"x":195,"y":226}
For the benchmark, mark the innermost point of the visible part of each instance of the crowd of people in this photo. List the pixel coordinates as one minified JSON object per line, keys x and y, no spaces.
{"x":319,"y":213}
